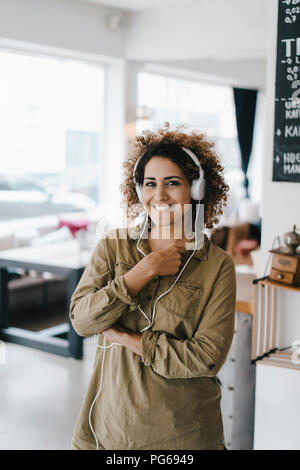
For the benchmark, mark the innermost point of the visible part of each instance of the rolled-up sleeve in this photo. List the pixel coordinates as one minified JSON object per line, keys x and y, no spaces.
{"x":205,"y":353}
{"x":100,"y":297}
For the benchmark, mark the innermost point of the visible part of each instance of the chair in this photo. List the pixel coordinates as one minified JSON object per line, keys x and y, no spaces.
{"x":238,"y":240}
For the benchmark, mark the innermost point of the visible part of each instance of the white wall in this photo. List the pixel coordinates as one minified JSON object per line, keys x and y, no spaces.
{"x":277,"y":408}
{"x":277,"y":389}
{"x":280,"y":201}
{"x":66,"y":24}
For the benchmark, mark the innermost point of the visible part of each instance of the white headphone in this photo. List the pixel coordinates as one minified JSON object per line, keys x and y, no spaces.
{"x":197,"y":186}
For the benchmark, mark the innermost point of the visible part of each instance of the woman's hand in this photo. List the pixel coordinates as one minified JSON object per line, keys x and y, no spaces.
{"x":129,"y":339}
{"x":114,"y":333}
{"x":165,"y":262}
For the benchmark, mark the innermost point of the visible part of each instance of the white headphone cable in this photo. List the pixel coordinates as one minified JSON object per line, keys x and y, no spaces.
{"x":104,"y":347}
{"x":153,"y":313}
{"x":101,"y":377}
{"x":92,"y":405}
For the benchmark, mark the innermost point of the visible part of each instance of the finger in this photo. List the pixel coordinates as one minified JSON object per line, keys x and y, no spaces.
{"x":175,"y":248}
{"x":108,"y":330}
{"x":120,"y":328}
{"x":180,"y":248}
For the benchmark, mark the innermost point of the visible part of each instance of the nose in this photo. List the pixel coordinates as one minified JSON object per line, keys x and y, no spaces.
{"x":161,"y":193}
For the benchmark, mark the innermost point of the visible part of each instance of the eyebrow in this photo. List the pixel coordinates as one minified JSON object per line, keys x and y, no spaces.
{"x":166,"y":178}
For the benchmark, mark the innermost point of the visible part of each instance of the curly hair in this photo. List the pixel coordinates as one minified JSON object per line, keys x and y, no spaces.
{"x":168,"y":143}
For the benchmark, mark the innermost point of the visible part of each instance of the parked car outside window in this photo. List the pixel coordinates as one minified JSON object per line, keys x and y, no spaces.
{"x":21,"y":196}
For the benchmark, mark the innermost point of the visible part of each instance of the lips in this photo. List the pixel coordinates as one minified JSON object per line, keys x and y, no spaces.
{"x":162,"y":207}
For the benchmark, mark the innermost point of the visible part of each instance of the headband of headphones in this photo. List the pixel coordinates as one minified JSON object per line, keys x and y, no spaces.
{"x":197,"y":186}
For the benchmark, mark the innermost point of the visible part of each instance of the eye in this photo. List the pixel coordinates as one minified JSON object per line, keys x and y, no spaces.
{"x":172,"y":182}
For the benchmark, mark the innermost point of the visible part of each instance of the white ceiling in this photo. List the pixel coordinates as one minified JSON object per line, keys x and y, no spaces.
{"x":140,"y":5}
{"x":250,"y":73}
{"x":220,"y":38}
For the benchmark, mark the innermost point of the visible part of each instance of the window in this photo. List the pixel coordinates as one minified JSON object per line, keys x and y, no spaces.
{"x":15,"y":183}
{"x":51,"y":122}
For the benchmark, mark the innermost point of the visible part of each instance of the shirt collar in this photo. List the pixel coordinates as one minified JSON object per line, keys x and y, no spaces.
{"x":201,"y":252}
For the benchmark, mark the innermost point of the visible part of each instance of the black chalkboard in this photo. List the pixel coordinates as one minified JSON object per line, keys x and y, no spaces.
{"x":286,"y":163}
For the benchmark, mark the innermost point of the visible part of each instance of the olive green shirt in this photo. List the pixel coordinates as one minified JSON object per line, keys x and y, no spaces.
{"x":168,"y":398}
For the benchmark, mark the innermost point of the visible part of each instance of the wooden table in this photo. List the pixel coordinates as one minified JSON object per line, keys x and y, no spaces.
{"x":64,"y":259}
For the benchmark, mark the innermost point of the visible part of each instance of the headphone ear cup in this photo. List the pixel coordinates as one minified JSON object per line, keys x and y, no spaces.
{"x":198,"y":189}
{"x":202,"y":189}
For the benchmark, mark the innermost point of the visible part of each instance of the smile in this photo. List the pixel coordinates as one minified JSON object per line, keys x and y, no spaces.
{"x":163,"y":207}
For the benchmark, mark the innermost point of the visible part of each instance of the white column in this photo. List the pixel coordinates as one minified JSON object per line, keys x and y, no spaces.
{"x":131,"y":73}
{"x":119,"y":127}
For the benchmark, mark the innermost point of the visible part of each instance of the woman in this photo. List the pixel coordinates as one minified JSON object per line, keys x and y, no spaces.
{"x":156,"y":386}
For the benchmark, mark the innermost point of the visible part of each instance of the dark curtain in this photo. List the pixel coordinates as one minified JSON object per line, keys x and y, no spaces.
{"x":245,"y":105}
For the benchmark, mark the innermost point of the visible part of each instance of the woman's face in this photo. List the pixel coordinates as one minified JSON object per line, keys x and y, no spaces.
{"x":166,"y":193}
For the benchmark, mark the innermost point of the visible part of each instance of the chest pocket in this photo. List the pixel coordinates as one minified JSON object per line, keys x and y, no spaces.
{"x":183,"y":299}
